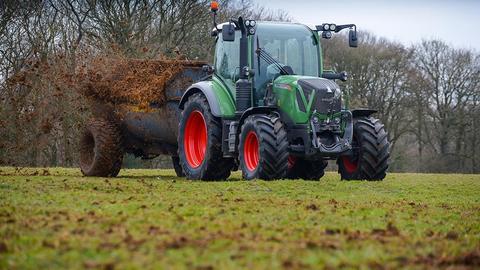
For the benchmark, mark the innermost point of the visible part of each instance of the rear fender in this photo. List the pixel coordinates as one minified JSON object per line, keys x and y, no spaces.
{"x":221,"y":104}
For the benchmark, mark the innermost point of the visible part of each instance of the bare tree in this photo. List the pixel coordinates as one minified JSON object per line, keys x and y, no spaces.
{"x":450,"y":79}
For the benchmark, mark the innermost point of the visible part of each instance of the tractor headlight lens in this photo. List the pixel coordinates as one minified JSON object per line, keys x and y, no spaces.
{"x":247,"y":23}
{"x":333,"y":27}
{"x":253,"y":23}
{"x":252,"y":31}
{"x":326,"y":27}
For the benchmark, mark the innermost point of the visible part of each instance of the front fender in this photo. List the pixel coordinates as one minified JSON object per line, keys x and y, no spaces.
{"x":254,"y":110}
{"x":363,"y":112}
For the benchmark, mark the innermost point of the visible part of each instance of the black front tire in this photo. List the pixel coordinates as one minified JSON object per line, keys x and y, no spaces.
{"x":371,"y":158}
{"x":307,"y":169}
{"x":213,"y":165}
{"x":272,"y":148}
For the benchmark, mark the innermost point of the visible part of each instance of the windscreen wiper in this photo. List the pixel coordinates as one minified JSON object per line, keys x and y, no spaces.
{"x":261,"y":53}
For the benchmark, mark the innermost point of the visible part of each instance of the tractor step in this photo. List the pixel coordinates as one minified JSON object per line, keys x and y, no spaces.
{"x":229,"y":138}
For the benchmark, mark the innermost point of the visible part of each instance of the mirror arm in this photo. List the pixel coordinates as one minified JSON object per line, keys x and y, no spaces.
{"x":344,"y":26}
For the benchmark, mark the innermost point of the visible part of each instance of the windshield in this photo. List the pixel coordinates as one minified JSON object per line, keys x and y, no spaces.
{"x":290,"y":45}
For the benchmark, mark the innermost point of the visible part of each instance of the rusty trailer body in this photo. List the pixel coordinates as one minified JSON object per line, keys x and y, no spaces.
{"x":152,"y":133}
{"x":145,"y":133}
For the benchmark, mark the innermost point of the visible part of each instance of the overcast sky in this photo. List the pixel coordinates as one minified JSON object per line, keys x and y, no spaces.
{"x":407,"y":21}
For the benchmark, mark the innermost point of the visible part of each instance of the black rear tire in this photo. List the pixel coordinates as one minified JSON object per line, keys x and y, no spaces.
{"x":271,"y":152}
{"x":176,"y":166}
{"x":212,"y":165}
{"x":370,"y":160}
{"x":307,"y":169}
{"x":101,"y":151}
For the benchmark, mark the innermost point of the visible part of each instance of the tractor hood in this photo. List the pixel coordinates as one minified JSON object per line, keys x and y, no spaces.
{"x":307,"y":95}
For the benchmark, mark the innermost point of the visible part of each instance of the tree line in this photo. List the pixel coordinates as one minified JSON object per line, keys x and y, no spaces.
{"x":426,"y":94}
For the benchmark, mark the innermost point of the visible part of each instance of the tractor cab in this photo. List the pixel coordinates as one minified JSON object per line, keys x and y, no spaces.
{"x":292,"y":46}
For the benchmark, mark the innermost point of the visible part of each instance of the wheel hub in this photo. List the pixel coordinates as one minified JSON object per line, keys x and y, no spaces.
{"x":250,"y":151}
{"x":195,"y":139}
{"x":350,"y":165}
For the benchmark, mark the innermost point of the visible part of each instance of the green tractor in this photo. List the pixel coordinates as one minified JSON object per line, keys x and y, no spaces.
{"x":269,"y":109}
{"x":266,"y":107}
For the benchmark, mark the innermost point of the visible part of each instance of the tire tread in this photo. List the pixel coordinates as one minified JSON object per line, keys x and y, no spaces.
{"x":374,"y":151}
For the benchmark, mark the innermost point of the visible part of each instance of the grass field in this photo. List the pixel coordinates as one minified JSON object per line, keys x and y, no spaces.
{"x":54,"y":218}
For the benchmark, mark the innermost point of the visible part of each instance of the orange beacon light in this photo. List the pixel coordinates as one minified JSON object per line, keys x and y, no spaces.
{"x":214,"y":6}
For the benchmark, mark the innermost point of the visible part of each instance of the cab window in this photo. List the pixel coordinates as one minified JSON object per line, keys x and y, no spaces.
{"x":294,"y":46}
{"x":227,"y":59}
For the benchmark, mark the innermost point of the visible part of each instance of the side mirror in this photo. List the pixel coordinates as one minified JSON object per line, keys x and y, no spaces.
{"x":228,"y":32}
{"x":352,"y":39}
{"x":208,"y":69}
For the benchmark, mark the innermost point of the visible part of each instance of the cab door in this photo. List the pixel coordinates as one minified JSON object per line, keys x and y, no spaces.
{"x":227,"y":61}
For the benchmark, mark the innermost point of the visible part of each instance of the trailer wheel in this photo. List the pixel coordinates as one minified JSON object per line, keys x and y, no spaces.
{"x":306,"y":169}
{"x":200,"y":142}
{"x":263,"y":148}
{"x":101,"y":151}
{"x":177,"y":166}
{"x":371,"y":152}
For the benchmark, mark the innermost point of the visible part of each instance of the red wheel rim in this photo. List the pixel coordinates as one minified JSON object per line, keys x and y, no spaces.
{"x":350,"y":166}
{"x":291,"y":161}
{"x":195,"y":139}
{"x":250,"y":151}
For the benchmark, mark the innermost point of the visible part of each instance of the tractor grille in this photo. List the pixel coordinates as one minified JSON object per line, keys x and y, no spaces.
{"x":325,"y":101}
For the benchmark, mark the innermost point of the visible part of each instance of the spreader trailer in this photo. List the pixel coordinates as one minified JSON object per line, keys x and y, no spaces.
{"x":267,"y":107}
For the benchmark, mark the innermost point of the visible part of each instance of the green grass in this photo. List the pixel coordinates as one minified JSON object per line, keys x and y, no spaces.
{"x":151,"y":219}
